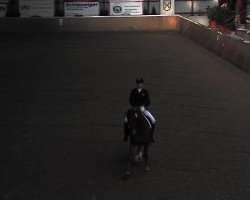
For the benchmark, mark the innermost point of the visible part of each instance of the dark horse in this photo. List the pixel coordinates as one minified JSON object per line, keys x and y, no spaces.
{"x":140,"y":135}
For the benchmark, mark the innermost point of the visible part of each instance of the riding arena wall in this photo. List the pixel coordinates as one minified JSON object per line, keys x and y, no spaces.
{"x":230,"y":48}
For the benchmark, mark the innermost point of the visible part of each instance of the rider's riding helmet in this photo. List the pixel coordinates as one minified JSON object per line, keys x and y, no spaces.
{"x":139,"y":80}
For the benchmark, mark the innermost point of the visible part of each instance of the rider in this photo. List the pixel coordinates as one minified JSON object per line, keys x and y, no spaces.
{"x":139,"y":98}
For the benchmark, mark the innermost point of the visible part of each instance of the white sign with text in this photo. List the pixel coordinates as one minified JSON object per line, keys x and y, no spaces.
{"x":125,"y":7}
{"x":80,"y":8}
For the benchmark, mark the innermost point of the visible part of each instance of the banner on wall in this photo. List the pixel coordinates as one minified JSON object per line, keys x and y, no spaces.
{"x":167,"y":7}
{"x":36,"y":8}
{"x":128,"y":7}
{"x":80,"y":8}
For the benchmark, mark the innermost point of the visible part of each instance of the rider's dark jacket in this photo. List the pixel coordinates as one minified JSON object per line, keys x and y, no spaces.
{"x":139,"y":98}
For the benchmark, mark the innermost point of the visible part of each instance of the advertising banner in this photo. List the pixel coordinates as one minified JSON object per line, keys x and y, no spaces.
{"x":80,"y":8}
{"x":128,"y":7}
{"x":36,"y":8}
{"x":3,"y":10}
{"x":167,"y":7}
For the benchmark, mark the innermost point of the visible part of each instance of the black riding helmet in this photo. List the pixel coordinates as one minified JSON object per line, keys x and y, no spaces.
{"x":139,"y":80}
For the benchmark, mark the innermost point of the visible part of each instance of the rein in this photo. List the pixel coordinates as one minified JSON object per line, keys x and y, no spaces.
{"x":147,"y":120}
{"x":145,"y":117}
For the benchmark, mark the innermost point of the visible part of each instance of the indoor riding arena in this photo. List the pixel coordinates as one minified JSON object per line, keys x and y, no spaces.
{"x":63,"y":96}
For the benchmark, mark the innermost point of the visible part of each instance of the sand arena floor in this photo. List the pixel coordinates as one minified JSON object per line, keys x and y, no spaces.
{"x":62,"y":102}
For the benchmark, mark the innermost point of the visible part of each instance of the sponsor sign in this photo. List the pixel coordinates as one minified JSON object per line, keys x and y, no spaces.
{"x":80,"y":8}
{"x":36,"y":8}
{"x":167,"y":7}
{"x":3,"y":10}
{"x":128,"y":7}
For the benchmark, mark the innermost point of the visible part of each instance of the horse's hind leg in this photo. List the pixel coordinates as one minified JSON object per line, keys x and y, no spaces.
{"x":130,"y":155}
{"x":146,"y":157}
{"x":138,"y":149}
{"x":139,"y":154}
